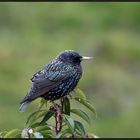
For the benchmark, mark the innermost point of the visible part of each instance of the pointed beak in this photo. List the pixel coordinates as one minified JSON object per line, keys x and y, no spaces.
{"x":86,"y":58}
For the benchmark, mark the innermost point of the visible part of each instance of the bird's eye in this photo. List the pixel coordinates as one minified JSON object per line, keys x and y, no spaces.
{"x":78,"y":57}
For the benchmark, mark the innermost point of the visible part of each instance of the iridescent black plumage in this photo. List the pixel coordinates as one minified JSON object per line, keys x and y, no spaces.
{"x":55,"y":80}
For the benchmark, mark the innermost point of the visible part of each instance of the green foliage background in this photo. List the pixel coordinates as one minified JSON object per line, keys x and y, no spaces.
{"x":31,"y":34}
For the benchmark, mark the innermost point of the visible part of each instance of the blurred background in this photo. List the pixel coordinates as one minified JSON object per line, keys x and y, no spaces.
{"x":31,"y":34}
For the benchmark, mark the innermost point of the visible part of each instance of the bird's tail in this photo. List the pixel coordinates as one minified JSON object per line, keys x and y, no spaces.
{"x":23,"y":106}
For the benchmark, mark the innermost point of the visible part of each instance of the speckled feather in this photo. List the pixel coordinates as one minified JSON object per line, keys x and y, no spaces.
{"x":55,"y":80}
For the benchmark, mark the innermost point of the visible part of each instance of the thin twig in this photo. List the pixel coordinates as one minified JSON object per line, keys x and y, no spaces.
{"x":58,"y":115}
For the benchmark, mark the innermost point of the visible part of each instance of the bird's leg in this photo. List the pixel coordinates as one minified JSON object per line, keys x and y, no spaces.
{"x":55,"y":106}
{"x":58,"y":110}
{"x":58,"y":116}
{"x":58,"y":120}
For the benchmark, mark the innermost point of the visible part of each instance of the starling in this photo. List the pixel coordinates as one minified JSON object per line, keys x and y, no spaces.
{"x":57,"y":79}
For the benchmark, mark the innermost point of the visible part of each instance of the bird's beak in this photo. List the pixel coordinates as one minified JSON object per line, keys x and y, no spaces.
{"x":86,"y":58}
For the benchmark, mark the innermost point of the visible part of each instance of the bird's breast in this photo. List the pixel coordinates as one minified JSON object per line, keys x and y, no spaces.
{"x":66,"y":86}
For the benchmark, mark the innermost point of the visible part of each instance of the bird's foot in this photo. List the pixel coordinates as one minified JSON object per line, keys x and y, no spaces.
{"x":55,"y":107}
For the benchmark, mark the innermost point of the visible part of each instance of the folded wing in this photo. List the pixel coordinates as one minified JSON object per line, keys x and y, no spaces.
{"x":46,"y":79}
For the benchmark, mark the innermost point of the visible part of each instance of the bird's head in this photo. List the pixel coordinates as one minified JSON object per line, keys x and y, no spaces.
{"x":71,"y":56}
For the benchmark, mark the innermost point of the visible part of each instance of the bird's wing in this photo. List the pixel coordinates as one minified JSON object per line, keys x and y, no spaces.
{"x":51,"y":75}
{"x":47,"y":78}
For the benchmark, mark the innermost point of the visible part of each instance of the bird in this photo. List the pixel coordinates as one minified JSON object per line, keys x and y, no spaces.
{"x":56,"y":79}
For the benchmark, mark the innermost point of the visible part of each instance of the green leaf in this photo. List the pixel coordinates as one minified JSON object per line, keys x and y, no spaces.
{"x":12,"y":133}
{"x":59,"y":135}
{"x":42,"y":103}
{"x":80,"y":93}
{"x":42,"y":128}
{"x":91,"y":135}
{"x":66,"y":106}
{"x":34,"y":116}
{"x":35,"y":125}
{"x":79,"y":126}
{"x":63,"y":133}
{"x":2,"y":134}
{"x":18,"y":135}
{"x":47,"y":134}
{"x":82,"y":114}
{"x":70,"y":122}
{"x":38,"y":135}
{"x":48,"y":115}
{"x":87,"y":104}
